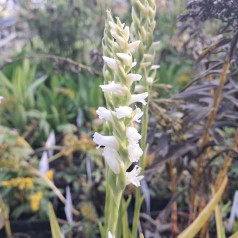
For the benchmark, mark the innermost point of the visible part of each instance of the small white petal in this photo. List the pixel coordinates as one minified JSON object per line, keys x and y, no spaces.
{"x":110,"y":235}
{"x":132,"y":135}
{"x":134,"y":45}
{"x":150,"y":80}
{"x":104,"y":113}
{"x":138,"y":115}
{"x":109,"y":141}
{"x":110,"y":62}
{"x":139,"y":89}
{"x":133,"y":77}
{"x":1,"y":98}
{"x":113,"y":159}
{"x":126,"y":33}
{"x":123,"y":111}
{"x":145,"y":64}
{"x":132,"y":177}
{"x":139,"y":98}
{"x":155,"y":66}
{"x":156,"y":44}
{"x":68,"y":206}
{"x":44,"y":163}
{"x":133,"y":64}
{"x":115,"y":88}
{"x":127,"y":59}
{"x":113,"y":25}
{"x":135,"y":152}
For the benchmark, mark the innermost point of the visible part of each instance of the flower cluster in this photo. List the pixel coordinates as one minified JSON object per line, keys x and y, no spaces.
{"x":20,"y":183}
{"x":121,"y":145}
{"x":35,"y":200}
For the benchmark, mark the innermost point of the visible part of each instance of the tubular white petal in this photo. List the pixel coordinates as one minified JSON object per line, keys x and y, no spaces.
{"x":110,"y":235}
{"x":110,"y":62}
{"x":115,"y":88}
{"x":134,"y":45}
{"x":104,"y":113}
{"x":155,"y":66}
{"x":133,"y":64}
{"x":113,"y":159}
{"x":109,"y":141}
{"x":133,"y":77}
{"x":132,"y":177}
{"x":135,"y":152}
{"x":139,"y":89}
{"x":123,"y":111}
{"x":138,"y":115}
{"x":132,"y":135}
{"x":139,"y":98}
{"x":150,"y":80}
{"x":127,"y":59}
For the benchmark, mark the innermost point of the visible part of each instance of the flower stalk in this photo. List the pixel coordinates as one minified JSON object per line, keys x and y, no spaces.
{"x":120,"y":139}
{"x":143,"y":25}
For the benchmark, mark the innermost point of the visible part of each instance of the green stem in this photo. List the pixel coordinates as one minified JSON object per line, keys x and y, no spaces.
{"x":8,"y":229}
{"x":138,"y":197}
{"x":107,"y":201}
{"x":114,"y":212}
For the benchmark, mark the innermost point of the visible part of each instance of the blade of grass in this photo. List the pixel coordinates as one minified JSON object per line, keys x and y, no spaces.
{"x":202,"y":218}
{"x":55,"y":229}
{"x":219,"y":224}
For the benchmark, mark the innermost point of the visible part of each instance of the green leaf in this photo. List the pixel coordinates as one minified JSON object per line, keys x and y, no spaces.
{"x":37,"y":83}
{"x":55,"y":229}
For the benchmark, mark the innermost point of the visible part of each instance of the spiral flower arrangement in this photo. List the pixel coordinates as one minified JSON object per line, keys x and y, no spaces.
{"x":121,"y":139}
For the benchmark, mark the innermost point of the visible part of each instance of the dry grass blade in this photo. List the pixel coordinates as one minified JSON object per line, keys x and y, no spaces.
{"x":205,"y":137}
{"x":227,"y":162}
{"x":174,"y":215}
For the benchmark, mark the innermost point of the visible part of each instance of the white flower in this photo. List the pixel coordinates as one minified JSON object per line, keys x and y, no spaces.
{"x":132,"y":135}
{"x":44,"y":163}
{"x":127,"y":59}
{"x":113,"y":159}
{"x":110,"y":62}
{"x":137,"y":115}
{"x":155,"y":67}
{"x":109,"y":141}
{"x":133,"y":77}
{"x":115,"y":88}
{"x":113,"y":26}
{"x":104,"y":113}
{"x":139,"y":98}
{"x":133,"y":64}
{"x":1,"y":98}
{"x":132,"y":177}
{"x":126,"y":33}
{"x":123,"y":111}
{"x":139,"y":89}
{"x":68,"y":206}
{"x":133,"y":45}
{"x":135,"y":152}
{"x":110,"y":235}
{"x":150,"y":80}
